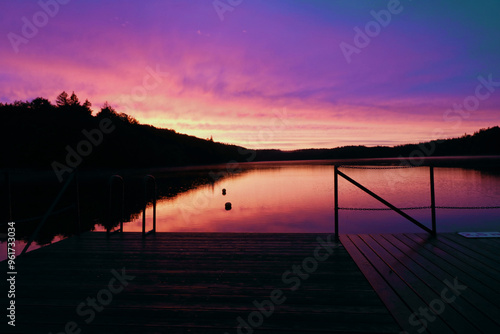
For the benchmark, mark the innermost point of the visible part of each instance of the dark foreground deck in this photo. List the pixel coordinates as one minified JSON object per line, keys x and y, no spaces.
{"x":446,"y":284}
{"x":259,"y":283}
{"x":195,"y":283}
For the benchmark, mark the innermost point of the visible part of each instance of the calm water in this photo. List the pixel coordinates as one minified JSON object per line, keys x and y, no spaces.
{"x":295,"y":197}
{"x":299,"y":198}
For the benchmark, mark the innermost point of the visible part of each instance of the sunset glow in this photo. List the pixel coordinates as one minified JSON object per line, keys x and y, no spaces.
{"x":299,"y":199}
{"x":265,"y":74}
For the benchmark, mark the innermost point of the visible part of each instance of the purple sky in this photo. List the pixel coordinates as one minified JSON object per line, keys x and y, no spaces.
{"x":265,"y":73}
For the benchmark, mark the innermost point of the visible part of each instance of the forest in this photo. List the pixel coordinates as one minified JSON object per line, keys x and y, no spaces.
{"x":66,"y":135}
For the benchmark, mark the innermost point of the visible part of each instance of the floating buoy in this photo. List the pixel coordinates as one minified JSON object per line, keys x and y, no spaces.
{"x":228,"y":206}
{"x":224,"y":191}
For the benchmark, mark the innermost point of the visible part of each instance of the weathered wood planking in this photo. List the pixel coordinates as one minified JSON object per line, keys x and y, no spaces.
{"x":414,"y":273}
{"x":195,"y":283}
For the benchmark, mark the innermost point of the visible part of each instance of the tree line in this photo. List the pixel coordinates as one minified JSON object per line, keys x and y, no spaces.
{"x":34,"y":134}
{"x":37,"y":133}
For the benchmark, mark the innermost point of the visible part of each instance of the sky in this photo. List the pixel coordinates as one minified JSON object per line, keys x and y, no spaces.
{"x":285,"y":74}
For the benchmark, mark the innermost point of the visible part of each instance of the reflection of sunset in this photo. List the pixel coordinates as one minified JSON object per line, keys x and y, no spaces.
{"x":20,"y":244}
{"x":300,"y":199}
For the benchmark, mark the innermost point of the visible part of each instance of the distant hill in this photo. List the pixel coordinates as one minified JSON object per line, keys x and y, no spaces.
{"x":38,"y":134}
{"x":482,"y":142}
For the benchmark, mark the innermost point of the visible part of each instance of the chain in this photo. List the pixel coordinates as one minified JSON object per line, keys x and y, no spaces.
{"x":468,"y":207}
{"x":424,"y":207}
{"x":385,"y":209}
{"x":378,"y":167}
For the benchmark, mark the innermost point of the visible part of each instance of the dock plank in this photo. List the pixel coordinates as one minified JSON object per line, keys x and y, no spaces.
{"x":397,"y":306}
{"x":478,"y":270}
{"x":488,"y":314}
{"x":215,"y":282}
{"x":422,"y":272}
{"x":197,"y":283}
{"x":461,"y":313}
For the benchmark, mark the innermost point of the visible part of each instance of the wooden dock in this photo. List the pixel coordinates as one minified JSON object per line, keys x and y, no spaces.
{"x":443,"y":284}
{"x":196,"y":283}
{"x":258,"y":283}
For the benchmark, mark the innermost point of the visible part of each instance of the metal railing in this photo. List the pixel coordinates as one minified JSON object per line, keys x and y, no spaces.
{"x":73,"y":177}
{"x":150,"y":193}
{"x":338,"y":173}
{"x":149,"y":179}
{"x":116,"y":181}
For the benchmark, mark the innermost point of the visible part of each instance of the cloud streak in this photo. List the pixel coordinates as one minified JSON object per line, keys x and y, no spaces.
{"x":225,"y":78}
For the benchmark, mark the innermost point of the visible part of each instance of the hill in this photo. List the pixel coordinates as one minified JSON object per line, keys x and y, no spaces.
{"x":482,"y":142}
{"x":38,"y":134}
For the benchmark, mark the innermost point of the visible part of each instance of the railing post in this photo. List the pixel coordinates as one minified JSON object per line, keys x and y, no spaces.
{"x":144,"y":209}
{"x":336,"y":201}
{"x":153,"y":181}
{"x":433,"y":201}
{"x":154,"y":207}
{"x":122,"y":201}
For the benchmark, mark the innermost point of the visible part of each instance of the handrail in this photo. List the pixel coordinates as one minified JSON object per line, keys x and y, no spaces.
{"x":433,"y":200}
{"x":149,"y":179}
{"x":336,"y":204}
{"x":113,"y":180}
{"x":380,"y":199}
{"x":49,"y":211}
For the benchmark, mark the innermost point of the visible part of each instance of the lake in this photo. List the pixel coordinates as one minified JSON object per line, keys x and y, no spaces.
{"x":284,"y":197}
{"x":298,"y":198}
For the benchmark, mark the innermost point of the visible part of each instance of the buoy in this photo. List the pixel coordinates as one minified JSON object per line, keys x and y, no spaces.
{"x":224,"y":191}
{"x":228,"y":206}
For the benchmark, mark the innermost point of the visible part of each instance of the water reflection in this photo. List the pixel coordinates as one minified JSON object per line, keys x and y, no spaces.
{"x":300,"y":199}
{"x":32,"y":193}
{"x":267,"y":197}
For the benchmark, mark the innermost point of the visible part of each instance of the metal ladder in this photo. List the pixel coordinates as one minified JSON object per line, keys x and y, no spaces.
{"x":150,"y":188}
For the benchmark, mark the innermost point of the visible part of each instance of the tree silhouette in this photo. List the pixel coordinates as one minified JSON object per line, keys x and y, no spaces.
{"x":73,"y":100}
{"x":107,"y":111}
{"x":86,"y":107}
{"x":62,"y":99}
{"x":35,"y":134}
{"x":41,"y":104}
{"x":127,"y":118}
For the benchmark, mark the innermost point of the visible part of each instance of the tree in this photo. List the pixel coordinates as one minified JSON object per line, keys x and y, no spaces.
{"x":86,"y":107}
{"x":127,"y":118}
{"x":107,"y":111}
{"x":73,"y":100}
{"x":18,"y":104}
{"x":41,"y":104}
{"x":87,"y":104}
{"x":62,"y":99}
